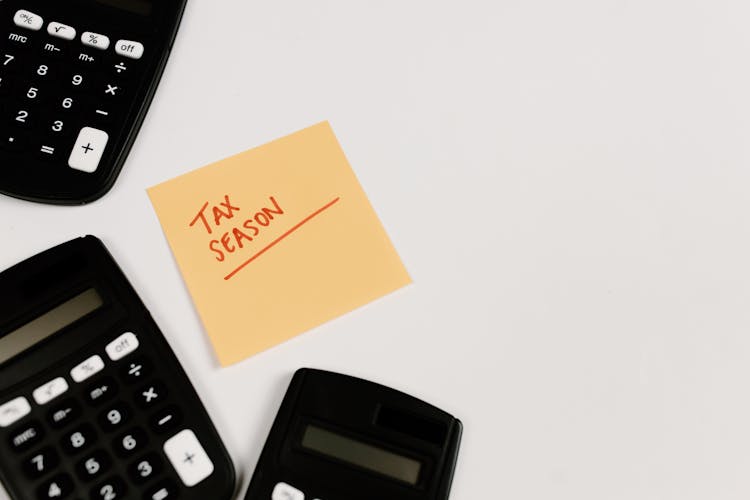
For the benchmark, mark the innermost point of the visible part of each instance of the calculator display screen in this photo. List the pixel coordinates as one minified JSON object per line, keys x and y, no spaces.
{"x":49,"y":323}
{"x":361,"y":454}
{"x":142,"y":7}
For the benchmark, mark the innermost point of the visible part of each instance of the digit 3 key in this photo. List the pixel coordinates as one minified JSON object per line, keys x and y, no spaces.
{"x":76,"y":80}
{"x":93,"y":402}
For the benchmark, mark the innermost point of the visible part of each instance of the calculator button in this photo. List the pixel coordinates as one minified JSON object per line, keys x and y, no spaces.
{"x":129,"y":48}
{"x":144,"y":469}
{"x":49,"y":391}
{"x":8,"y":62}
{"x":52,"y":49}
{"x":165,"y":490}
{"x":122,"y":346}
{"x":49,"y":152}
{"x":26,"y":436}
{"x":60,"y":30}
{"x":166,"y":420}
{"x":101,"y":391}
{"x":40,"y":463}
{"x":136,"y":370}
{"x":87,"y":59}
{"x":95,"y":40}
{"x":13,"y":411}
{"x":63,"y":414}
{"x":93,"y":465}
{"x":56,"y":488}
{"x":283,"y":491}
{"x":86,"y":154}
{"x":88,"y":368}
{"x":112,"y":489}
{"x":18,"y":40}
{"x":131,"y":442}
{"x":121,"y":69}
{"x":188,"y":458}
{"x":111,"y":90}
{"x":28,"y":20}
{"x":114,"y":417}
{"x":150,"y":395}
{"x":79,"y":439}
{"x":14,"y":141}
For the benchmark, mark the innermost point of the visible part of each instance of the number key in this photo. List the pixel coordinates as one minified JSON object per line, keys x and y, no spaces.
{"x":40,"y":463}
{"x":8,"y":62}
{"x":43,"y":71}
{"x":113,"y":489}
{"x":114,"y":417}
{"x":22,"y":118}
{"x":78,"y":439}
{"x":80,"y":82}
{"x":56,"y":488}
{"x":32,"y":93}
{"x":130,"y":442}
{"x":144,"y":469}
{"x":93,"y":465}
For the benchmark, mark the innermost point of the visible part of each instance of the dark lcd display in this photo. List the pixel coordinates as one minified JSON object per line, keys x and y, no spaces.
{"x":361,"y":454}
{"x":49,"y":323}
{"x":142,"y":7}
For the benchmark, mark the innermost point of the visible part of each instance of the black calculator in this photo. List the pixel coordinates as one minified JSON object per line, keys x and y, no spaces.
{"x":338,"y":437}
{"x":76,"y":80}
{"x":94,"y":405}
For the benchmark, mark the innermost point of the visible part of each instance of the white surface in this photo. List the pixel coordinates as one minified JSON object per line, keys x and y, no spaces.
{"x":187,"y":456}
{"x":86,"y":369}
{"x":567,"y":183}
{"x":49,"y":391}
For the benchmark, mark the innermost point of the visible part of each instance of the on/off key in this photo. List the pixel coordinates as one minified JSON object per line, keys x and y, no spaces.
{"x":28,"y":20}
{"x":129,"y":48}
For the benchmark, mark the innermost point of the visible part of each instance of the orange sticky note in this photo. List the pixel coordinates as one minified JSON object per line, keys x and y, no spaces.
{"x":275,"y":241}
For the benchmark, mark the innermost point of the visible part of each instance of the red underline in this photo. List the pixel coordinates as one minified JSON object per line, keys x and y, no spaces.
{"x":277,"y":240}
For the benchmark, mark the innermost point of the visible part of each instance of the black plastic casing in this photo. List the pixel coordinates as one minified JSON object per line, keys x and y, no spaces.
{"x":46,"y":280}
{"x":366,"y":412}
{"x":24,"y":175}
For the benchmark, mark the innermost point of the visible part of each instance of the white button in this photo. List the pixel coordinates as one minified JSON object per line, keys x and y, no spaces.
{"x":129,"y":48}
{"x":86,"y":369}
{"x":122,"y":346}
{"x":95,"y":40}
{"x":88,"y":149}
{"x":49,"y":391}
{"x":61,"y":31}
{"x":13,"y":411}
{"x":283,"y":491}
{"x":188,"y":458}
{"x":28,"y":20}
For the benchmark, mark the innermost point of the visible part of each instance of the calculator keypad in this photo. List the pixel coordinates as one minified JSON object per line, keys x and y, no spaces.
{"x":109,"y":430}
{"x":63,"y":94}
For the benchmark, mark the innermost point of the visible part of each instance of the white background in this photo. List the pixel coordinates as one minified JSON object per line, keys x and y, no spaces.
{"x":566,"y":182}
